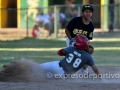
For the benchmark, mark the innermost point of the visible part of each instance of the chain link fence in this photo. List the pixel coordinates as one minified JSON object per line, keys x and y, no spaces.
{"x":54,"y":19}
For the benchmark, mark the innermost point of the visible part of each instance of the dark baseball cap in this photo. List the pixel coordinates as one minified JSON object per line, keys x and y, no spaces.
{"x":87,"y":6}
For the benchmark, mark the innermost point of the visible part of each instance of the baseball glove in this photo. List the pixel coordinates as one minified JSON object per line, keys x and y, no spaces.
{"x":90,"y":49}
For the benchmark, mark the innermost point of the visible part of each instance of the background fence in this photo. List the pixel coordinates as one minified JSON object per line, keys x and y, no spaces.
{"x":24,"y":19}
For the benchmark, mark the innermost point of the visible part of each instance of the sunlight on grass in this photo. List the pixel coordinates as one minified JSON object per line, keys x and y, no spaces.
{"x":105,"y":39}
{"x":29,"y":49}
{"x":99,"y":39}
{"x":52,"y":49}
{"x":107,"y":48}
{"x":44,"y":50}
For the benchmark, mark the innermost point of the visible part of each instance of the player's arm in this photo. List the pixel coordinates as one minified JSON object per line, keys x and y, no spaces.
{"x":61,"y":52}
{"x":93,"y":66}
{"x":95,"y":69}
{"x":70,"y":27}
{"x":68,"y":34}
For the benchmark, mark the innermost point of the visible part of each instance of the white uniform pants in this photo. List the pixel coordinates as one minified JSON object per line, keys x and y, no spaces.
{"x":52,"y":68}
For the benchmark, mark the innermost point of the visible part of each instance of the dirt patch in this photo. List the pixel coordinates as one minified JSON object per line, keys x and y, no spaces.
{"x":32,"y":82}
{"x":56,"y":85}
{"x":21,"y":71}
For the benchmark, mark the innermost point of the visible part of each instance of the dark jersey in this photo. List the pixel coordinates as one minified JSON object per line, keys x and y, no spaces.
{"x":76,"y":26}
{"x":111,"y":1}
{"x":111,"y":6}
{"x":75,"y":59}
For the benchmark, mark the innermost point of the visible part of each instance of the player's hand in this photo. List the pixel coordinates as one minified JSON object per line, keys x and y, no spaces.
{"x":60,"y":52}
{"x":70,"y":42}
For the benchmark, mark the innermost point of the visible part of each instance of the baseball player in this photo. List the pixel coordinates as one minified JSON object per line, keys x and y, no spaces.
{"x":75,"y":58}
{"x":80,"y":25}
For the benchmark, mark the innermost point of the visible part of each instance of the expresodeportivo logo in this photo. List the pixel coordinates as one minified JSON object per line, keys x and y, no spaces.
{"x":92,"y":76}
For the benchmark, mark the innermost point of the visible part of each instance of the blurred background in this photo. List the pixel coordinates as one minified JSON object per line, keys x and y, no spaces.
{"x":18,"y":18}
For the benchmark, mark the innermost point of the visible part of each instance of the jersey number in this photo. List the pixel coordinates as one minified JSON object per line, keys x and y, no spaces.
{"x":76,"y":62}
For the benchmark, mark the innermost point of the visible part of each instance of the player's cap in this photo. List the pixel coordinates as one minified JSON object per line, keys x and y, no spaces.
{"x":87,"y":6}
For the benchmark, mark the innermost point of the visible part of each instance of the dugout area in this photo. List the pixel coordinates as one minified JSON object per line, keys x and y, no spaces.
{"x":8,"y":17}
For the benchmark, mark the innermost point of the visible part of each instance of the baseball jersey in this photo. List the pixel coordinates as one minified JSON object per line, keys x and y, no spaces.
{"x":76,"y":26}
{"x":111,"y":1}
{"x":75,"y":59}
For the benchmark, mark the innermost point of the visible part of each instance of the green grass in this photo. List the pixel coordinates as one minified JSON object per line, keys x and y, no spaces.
{"x":106,"y":53}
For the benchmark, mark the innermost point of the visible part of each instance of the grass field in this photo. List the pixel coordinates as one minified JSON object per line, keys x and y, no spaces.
{"x":106,"y":53}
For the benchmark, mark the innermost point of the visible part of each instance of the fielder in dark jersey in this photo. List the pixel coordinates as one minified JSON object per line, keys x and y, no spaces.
{"x":76,"y":26}
{"x":75,"y":59}
{"x":80,"y":25}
